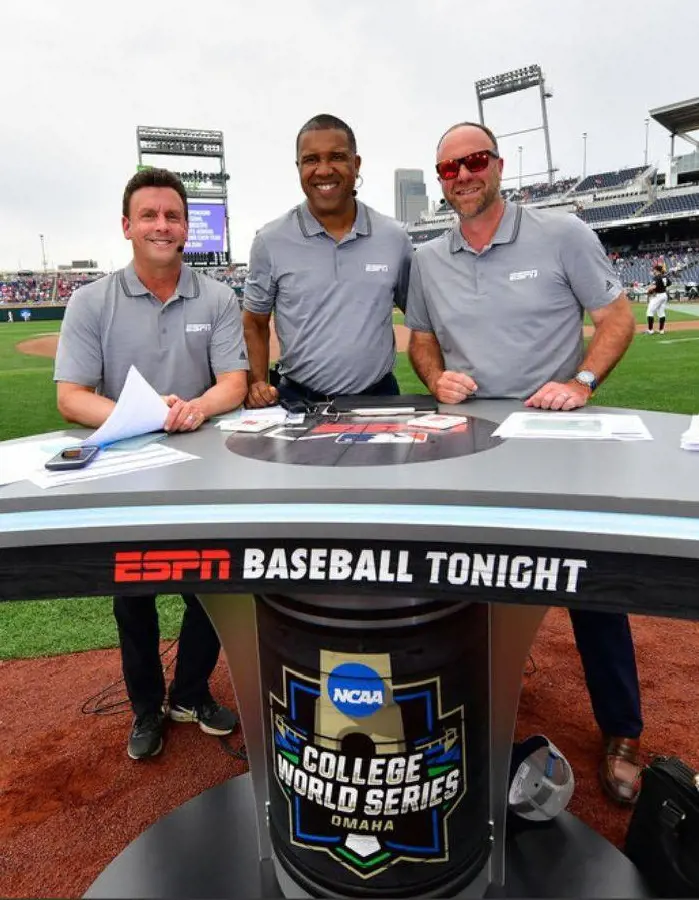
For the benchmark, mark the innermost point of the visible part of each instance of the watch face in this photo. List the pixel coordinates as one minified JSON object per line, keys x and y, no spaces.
{"x":587,"y":378}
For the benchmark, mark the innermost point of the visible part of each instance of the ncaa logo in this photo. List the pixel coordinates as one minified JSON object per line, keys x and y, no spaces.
{"x":356,"y":690}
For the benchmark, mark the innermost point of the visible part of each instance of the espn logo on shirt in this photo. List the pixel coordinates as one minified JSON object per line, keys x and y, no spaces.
{"x":172,"y":565}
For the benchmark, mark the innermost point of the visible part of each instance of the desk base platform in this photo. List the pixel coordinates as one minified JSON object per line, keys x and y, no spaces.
{"x":207,"y":848}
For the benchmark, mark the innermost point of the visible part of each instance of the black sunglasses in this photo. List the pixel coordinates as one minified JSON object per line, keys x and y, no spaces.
{"x":448,"y":169}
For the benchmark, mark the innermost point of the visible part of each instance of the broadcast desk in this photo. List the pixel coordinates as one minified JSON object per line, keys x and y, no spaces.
{"x":364,"y":544}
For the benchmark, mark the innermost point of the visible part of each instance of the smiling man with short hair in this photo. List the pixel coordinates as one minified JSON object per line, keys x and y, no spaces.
{"x":183,"y":332}
{"x":331,"y":270}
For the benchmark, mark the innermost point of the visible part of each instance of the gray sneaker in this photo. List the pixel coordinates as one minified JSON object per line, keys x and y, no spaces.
{"x":146,"y":738}
{"x":211,"y":716}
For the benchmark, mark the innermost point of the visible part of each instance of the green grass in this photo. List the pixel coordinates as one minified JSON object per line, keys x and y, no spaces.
{"x":639,"y":312}
{"x":27,"y":392}
{"x":656,"y":373}
{"x":51,"y":627}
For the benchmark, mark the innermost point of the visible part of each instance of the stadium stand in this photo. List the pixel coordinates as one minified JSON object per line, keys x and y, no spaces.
{"x":592,"y":214}
{"x":605,"y":180}
{"x":532,"y":193}
{"x":674,"y":204}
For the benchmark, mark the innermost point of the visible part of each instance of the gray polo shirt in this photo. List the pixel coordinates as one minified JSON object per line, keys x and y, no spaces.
{"x":511,"y":316}
{"x":332,"y":302}
{"x":178,"y":346}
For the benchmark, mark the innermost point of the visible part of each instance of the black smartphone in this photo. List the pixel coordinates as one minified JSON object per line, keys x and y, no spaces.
{"x":73,"y":458}
{"x":294,"y":406}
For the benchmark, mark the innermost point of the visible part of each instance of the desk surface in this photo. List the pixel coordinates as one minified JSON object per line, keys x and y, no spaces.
{"x":639,"y":498}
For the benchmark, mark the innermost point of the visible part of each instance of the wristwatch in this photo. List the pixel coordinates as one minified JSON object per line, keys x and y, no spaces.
{"x":587,"y":378}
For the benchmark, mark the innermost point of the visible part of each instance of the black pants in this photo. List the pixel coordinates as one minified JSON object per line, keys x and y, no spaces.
{"x":606,"y":649}
{"x":292,"y":390}
{"x":139,"y":636}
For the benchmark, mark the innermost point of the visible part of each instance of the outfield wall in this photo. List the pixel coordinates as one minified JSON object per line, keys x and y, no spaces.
{"x":38,"y":311}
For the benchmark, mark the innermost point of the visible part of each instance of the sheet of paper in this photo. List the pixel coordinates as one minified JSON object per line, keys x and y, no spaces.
{"x":107,"y":464}
{"x":17,"y":461}
{"x":139,"y":410}
{"x":574,"y":426}
{"x":690,"y":438}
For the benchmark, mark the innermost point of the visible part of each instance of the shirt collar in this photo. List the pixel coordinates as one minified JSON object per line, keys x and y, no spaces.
{"x":134,"y":287}
{"x":506,"y":233}
{"x":310,"y":226}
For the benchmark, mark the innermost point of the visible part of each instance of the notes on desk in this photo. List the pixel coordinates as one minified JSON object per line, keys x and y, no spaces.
{"x":18,"y":460}
{"x":252,"y":421}
{"x":574,"y":426}
{"x":139,"y":410}
{"x":112,"y":463}
{"x":690,"y":438}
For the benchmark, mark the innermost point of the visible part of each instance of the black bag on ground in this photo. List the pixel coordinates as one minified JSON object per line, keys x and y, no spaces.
{"x":663,"y":835}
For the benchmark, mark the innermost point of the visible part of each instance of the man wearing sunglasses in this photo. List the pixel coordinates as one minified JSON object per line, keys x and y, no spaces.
{"x":331,"y":270}
{"x":495,"y":307}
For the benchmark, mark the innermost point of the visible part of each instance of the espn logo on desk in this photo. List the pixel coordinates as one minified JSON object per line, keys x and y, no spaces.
{"x":172,"y":565}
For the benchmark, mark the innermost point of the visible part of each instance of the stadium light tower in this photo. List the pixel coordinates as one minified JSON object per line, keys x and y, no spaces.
{"x":519,"y":151}
{"x":43,"y":252}
{"x":645,"y":152}
{"x":584,"y":165}
{"x":508,"y":83}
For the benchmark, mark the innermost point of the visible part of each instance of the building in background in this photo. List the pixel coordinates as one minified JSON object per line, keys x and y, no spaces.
{"x":410,"y":195}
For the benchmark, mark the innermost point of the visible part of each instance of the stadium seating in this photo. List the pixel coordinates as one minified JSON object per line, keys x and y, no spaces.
{"x":676,"y":204}
{"x":605,"y":180}
{"x":608,"y":213}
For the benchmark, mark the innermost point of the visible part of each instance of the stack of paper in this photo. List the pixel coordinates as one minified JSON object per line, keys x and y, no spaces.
{"x":254,"y":420}
{"x":574,"y":426}
{"x":690,"y":438}
{"x":107,"y":464}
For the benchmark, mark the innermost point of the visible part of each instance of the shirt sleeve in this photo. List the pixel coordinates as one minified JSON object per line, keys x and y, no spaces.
{"x":587,"y":268}
{"x":400,"y":298}
{"x":417,"y":317}
{"x":260,"y":286}
{"x":79,"y":353}
{"x":228,"y":350}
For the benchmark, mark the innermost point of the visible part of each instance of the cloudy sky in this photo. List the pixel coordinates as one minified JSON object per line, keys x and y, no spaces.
{"x":78,"y":77}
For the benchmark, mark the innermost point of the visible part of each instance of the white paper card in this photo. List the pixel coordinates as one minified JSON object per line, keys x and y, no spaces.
{"x":574,"y":426}
{"x":690,"y":438}
{"x":437,"y":420}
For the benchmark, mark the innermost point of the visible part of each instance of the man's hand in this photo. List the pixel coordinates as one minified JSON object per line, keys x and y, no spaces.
{"x":453,"y":387}
{"x":184,"y":415}
{"x":556,"y":395}
{"x":261,"y":394}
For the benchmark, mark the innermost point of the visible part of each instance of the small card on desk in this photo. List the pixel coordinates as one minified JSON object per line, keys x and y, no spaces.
{"x":438,"y":421}
{"x":249,"y":425}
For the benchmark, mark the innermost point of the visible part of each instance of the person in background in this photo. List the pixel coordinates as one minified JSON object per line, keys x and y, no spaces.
{"x":183,"y":332}
{"x":657,"y":299}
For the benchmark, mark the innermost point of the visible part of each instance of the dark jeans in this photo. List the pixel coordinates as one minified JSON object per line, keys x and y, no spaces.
{"x":139,"y":635}
{"x":606,"y":649}
{"x":292,"y":390}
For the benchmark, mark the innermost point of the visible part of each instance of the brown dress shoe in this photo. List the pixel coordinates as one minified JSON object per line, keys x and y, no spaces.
{"x":620,"y":769}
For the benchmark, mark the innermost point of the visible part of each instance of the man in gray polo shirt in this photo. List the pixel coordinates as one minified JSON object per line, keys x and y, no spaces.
{"x":183,"y":332}
{"x":496,"y":308}
{"x":331,"y":270}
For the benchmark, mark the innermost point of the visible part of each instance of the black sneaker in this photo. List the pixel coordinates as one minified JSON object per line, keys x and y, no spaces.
{"x":146,"y":738}
{"x":211,"y":716}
